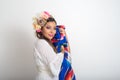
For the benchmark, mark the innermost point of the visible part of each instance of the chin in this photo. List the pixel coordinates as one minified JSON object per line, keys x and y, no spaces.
{"x":49,"y":38}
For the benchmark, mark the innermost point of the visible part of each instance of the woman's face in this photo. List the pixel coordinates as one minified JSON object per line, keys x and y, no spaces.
{"x":49,"y":30}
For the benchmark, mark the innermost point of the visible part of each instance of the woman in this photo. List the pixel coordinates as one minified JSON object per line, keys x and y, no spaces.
{"x":47,"y":60}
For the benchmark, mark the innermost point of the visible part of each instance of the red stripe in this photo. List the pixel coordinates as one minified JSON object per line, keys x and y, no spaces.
{"x":69,"y":75}
{"x":54,"y":40}
{"x":66,"y":48}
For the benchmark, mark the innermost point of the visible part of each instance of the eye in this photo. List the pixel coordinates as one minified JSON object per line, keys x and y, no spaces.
{"x":48,"y":27}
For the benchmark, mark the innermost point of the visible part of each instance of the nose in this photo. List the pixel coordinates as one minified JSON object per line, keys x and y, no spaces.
{"x":53,"y":31}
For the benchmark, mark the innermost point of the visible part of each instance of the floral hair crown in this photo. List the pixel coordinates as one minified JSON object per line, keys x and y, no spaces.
{"x":40,"y":21}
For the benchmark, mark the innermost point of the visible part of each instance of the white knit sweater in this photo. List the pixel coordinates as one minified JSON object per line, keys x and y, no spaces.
{"x":47,"y":61}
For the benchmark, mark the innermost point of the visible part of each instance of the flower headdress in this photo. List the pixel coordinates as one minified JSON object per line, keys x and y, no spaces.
{"x":40,"y":21}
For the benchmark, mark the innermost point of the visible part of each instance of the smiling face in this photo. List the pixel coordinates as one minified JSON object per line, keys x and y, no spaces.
{"x":49,"y":30}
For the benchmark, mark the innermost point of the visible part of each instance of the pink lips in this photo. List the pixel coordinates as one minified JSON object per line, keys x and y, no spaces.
{"x":51,"y":35}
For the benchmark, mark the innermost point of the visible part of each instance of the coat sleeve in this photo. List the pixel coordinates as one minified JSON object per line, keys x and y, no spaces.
{"x":50,"y":58}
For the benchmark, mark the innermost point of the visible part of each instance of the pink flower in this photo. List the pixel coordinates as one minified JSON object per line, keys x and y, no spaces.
{"x":45,"y":15}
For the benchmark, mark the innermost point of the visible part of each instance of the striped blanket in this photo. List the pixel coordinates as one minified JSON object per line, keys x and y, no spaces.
{"x":59,"y":40}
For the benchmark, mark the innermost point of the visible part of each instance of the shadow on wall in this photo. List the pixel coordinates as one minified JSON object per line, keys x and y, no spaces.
{"x":17,"y":61}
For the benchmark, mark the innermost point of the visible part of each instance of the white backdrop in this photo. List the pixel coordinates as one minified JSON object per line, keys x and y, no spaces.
{"x":93,"y":28}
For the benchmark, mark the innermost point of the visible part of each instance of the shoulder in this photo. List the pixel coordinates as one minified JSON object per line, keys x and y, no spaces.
{"x":41,"y":42}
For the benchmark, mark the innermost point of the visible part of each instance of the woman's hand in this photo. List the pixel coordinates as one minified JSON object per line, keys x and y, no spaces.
{"x":62,"y":31}
{"x":62,"y":49}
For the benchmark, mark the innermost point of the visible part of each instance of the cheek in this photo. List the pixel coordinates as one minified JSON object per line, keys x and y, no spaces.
{"x":55,"y":32}
{"x":46,"y":32}
{"x":43,"y":32}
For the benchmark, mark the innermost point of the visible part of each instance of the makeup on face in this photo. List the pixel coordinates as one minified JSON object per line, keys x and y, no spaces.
{"x":49,"y":27}
{"x":49,"y":30}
